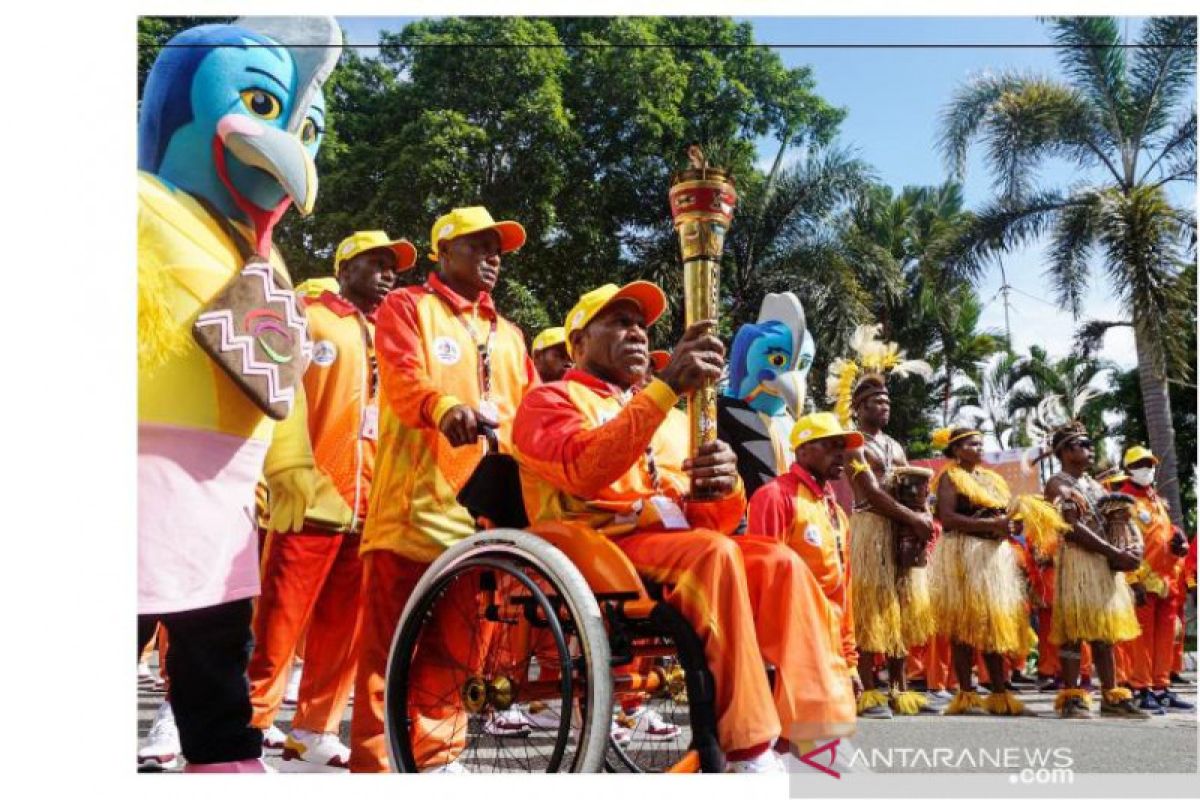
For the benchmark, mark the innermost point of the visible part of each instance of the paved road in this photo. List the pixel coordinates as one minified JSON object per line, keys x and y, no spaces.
{"x":1160,"y":744}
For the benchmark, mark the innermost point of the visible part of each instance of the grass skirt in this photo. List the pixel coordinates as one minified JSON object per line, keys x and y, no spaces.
{"x":892,"y":609}
{"x":978,"y":593}
{"x":1092,"y":602}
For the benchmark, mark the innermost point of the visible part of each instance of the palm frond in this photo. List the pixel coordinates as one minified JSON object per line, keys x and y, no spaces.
{"x":1164,"y":66}
{"x":966,"y":113}
{"x":1090,"y":51}
{"x":1070,"y":248}
{"x":1090,"y":335}
{"x":1177,"y":149}
{"x":999,"y":227}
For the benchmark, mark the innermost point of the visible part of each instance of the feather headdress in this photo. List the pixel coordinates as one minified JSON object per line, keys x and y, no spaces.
{"x":873,"y":361}
{"x":1052,"y":425}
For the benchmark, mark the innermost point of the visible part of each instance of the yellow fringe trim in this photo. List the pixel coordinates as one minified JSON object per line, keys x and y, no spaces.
{"x":892,"y":608}
{"x":870,"y":699}
{"x":159,"y":336}
{"x":963,"y":702}
{"x":1117,"y":694}
{"x":983,"y":487}
{"x":1060,"y":699}
{"x":1004,"y":704}
{"x":1043,"y":523}
{"x":909,"y":703}
{"x":1092,"y":603}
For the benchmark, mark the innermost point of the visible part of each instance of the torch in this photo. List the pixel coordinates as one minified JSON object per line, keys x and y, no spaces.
{"x":702,"y":202}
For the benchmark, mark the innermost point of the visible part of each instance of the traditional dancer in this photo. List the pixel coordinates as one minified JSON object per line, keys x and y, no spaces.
{"x":1156,"y":587}
{"x":888,"y":582}
{"x":978,"y":593}
{"x":449,"y":365}
{"x":598,"y":450}
{"x":311,"y":579}
{"x":1093,"y":602}
{"x":230,"y":122}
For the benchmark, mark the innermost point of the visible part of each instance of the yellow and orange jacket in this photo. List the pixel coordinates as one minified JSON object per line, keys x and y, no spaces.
{"x":429,"y":363}
{"x":340,"y":387}
{"x":1160,"y":569}
{"x":581,"y":444}
{"x":803,"y":514}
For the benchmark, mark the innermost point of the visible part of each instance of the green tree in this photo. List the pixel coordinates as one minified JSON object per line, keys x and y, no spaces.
{"x":1127,"y":115}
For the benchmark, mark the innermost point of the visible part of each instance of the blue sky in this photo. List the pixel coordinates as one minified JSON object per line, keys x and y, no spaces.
{"x":893,"y":98}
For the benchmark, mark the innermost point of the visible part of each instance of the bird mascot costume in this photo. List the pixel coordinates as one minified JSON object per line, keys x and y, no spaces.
{"x":768,"y":367}
{"x":230,"y":122}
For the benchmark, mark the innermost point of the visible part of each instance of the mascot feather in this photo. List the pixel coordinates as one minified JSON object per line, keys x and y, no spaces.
{"x":768,"y":366}
{"x":230,"y":123}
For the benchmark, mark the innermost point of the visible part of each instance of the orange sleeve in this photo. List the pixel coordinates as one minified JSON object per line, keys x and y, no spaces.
{"x":551,"y":441}
{"x":403,"y":374}
{"x":849,"y":646}
{"x":772,"y":512}
{"x":723,"y":514}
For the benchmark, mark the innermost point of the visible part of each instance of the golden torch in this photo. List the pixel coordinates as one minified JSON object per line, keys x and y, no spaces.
{"x":702,"y":202}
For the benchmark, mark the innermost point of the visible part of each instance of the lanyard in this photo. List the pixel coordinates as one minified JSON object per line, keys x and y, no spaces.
{"x":483,"y":349}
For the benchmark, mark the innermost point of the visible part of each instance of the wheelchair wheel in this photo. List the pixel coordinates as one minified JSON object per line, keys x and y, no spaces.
{"x":498,"y":622}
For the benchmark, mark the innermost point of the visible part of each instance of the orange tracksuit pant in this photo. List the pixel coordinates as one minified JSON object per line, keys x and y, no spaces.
{"x":938,"y":674}
{"x":1152,"y":652}
{"x":309,"y":578}
{"x":752,"y":599}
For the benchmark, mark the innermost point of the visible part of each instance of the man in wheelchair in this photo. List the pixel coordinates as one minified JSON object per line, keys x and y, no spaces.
{"x":608,"y":449}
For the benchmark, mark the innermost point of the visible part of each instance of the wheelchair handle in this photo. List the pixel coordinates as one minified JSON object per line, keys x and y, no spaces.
{"x":490,"y":433}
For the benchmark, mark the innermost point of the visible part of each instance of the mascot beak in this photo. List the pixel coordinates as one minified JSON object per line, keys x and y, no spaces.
{"x":790,"y":386}
{"x":276,"y":152}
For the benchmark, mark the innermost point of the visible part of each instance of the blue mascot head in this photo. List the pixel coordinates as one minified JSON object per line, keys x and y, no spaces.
{"x":233,"y":115}
{"x":771,"y":358}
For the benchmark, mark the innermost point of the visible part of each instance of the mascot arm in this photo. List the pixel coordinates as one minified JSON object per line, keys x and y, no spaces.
{"x":288,"y":469}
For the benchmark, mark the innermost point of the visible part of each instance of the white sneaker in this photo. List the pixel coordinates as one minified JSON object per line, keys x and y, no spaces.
{"x":508,"y":723}
{"x":323,"y":750}
{"x":620,"y":734}
{"x":544,"y":716}
{"x":291,"y":694}
{"x":274,"y":739}
{"x":161,"y":750}
{"x":453,"y":766}
{"x":766,"y":761}
{"x":649,"y":723}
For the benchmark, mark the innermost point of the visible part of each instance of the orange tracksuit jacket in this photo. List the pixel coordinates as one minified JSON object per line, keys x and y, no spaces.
{"x":428,"y":363}
{"x":799,"y":512}
{"x":1152,"y":652}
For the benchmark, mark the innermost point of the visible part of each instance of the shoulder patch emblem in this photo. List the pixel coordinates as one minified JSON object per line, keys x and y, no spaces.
{"x":812,"y":535}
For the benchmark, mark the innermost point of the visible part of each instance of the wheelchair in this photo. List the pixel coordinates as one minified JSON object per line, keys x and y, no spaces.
{"x":549,"y":624}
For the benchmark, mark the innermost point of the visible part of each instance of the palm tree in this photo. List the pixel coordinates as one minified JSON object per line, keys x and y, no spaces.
{"x":1127,"y":116}
{"x":992,"y":395}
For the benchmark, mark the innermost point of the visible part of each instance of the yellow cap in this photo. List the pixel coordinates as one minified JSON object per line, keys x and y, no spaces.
{"x":648,"y":296}
{"x":462,"y":221}
{"x":1138,"y":453}
{"x":823,"y":425}
{"x":548,"y":338}
{"x":315,"y":287}
{"x":362,"y":241}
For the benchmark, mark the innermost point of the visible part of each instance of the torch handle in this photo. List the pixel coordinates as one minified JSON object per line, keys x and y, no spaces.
{"x":701,"y":281}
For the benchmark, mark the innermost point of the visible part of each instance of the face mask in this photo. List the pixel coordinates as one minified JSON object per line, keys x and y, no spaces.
{"x":1143,"y":476}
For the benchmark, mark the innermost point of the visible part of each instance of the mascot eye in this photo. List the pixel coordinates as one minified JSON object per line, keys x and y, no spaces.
{"x":261,"y":104}
{"x":777,"y":359}
{"x":309,"y":131}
